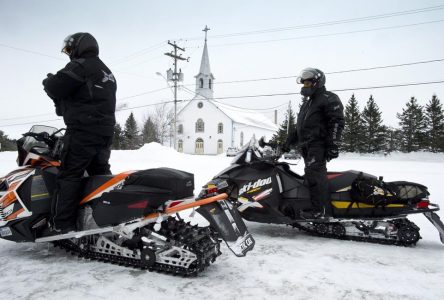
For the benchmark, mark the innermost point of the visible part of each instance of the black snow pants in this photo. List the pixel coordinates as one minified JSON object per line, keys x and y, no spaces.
{"x":82,"y":151}
{"x":316,"y":178}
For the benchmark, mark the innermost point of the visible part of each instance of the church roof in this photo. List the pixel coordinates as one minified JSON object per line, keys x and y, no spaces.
{"x":205,"y":62}
{"x":245,"y":116}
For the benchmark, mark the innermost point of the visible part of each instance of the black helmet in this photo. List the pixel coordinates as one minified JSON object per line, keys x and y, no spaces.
{"x":77,"y":44}
{"x":316,"y":76}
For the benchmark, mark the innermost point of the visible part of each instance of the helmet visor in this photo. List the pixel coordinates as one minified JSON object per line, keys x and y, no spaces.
{"x":67,"y":45}
{"x":306,"y":74}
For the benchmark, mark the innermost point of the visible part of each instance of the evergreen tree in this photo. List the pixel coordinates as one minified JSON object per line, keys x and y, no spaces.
{"x":374,"y":133}
{"x":7,"y":144}
{"x":117,"y":139}
{"x":353,"y":130}
{"x":413,"y":126}
{"x":393,"y":139}
{"x":149,"y":133}
{"x":435,"y":125}
{"x":130,"y":134}
{"x":289,"y":124}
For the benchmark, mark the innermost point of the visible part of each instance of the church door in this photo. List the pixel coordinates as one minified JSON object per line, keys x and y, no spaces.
{"x":199,"y":146}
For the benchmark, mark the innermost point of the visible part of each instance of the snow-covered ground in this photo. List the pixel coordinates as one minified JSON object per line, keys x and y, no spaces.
{"x":285,"y":263}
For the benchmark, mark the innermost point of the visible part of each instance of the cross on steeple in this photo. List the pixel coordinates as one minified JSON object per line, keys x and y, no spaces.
{"x":206,"y":30}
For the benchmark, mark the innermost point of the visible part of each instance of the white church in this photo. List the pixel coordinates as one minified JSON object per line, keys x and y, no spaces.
{"x":207,"y":126}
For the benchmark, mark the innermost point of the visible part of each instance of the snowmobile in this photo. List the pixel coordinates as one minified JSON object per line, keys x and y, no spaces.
{"x":364,"y":207}
{"x":130,"y":219}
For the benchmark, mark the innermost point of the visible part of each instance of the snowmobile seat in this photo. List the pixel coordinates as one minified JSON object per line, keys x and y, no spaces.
{"x":92,"y":183}
{"x":179,"y":183}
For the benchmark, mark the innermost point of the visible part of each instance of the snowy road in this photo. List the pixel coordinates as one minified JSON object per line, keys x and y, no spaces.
{"x":285,"y":264}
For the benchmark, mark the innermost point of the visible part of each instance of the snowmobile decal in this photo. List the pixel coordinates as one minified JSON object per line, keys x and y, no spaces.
{"x":247,"y":188}
{"x":346,"y":204}
{"x":107,"y":186}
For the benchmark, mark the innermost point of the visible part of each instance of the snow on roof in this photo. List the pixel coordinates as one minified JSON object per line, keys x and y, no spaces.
{"x":245,"y":116}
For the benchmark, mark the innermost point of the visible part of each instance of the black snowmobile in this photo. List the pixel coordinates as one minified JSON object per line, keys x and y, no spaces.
{"x":129,"y":219}
{"x":365,"y":208}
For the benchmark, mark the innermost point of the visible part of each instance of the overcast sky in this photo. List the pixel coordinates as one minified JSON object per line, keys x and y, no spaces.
{"x":133,"y":36}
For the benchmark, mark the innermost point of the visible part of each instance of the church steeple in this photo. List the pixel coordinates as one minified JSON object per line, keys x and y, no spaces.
{"x":204,"y":80}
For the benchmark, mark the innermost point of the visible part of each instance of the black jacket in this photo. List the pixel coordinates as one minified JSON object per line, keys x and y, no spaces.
{"x":320,"y":120}
{"x":84,"y":93}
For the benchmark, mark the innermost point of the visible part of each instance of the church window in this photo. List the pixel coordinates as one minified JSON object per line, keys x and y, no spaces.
{"x":180,"y":129}
{"x":209,"y":84}
{"x":220,"y":128}
{"x":201,"y":83}
{"x":242,"y":138}
{"x":200,"y":105}
{"x":200,"y":125}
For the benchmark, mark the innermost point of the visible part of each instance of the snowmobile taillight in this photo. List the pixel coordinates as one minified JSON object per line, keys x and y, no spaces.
{"x":423,"y":204}
{"x":212,"y":190}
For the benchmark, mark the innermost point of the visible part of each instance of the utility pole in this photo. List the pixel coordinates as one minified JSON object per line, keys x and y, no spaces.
{"x":288,"y":117}
{"x":175,"y":78}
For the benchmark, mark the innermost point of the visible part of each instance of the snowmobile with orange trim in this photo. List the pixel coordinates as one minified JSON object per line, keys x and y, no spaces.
{"x":130,"y":219}
{"x":364,"y":207}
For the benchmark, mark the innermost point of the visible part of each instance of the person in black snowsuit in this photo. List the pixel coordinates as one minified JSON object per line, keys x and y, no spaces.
{"x":318,"y":132}
{"x":84,"y":93}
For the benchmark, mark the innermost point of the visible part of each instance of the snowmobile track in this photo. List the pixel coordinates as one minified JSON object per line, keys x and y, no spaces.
{"x":203,"y":242}
{"x":367,"y":239}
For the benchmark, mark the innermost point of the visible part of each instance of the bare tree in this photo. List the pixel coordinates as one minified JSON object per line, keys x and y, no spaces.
{"x":163,"y":118}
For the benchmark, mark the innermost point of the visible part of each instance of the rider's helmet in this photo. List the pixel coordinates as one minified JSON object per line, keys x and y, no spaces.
{"x":77,"y":44}
{"x":312,"y":79}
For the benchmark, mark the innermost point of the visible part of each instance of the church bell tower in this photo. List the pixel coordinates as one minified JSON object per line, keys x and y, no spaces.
{"x":205,"y":79}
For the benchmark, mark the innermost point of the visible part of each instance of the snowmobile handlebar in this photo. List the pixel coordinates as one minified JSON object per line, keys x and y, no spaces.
{"x":49,"y":139}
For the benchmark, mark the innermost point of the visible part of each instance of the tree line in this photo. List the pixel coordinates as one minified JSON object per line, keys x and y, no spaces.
{"x":155,"y":128}
{"x":421,"y":128}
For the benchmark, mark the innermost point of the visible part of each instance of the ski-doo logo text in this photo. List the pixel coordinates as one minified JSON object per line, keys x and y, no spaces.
{"x":253,"y":185}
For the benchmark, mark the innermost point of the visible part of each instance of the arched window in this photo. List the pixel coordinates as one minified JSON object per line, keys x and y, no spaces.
{"x":180,"y":129}
{"x":199,"y":147}
{"x":242,"y":138}
{"x":180,"y":146}
{"x":220,"y":128}
{"x":200,"y":125}
{"x":201,"y":83}
{"x":220,"y":146}
{"x":210,"y":84}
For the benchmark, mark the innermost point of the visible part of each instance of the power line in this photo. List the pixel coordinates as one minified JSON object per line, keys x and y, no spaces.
{"x":141,"y":52}
{"x":30,"y":51}
{"x":328,"y":34}
{"x":123,"y":98}
{"x":332,"y":72}
{"x":337,"y":90}
{"x":329,"y":23}
{"x":261,"y":95}
{"x":264,"y":109}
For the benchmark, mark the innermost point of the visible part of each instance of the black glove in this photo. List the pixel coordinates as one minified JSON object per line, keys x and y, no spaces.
{"x":285,"y":148}
{"x":332,"y":151}
{"x":47,"y":76}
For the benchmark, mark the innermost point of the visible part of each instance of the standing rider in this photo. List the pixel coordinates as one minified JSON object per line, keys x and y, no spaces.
{"x":318,"y":131}
{"x":84,"y":93}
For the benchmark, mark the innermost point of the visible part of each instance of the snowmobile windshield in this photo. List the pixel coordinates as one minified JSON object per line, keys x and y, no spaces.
{"x":247,"y":154}
{"x":30,"y":142}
